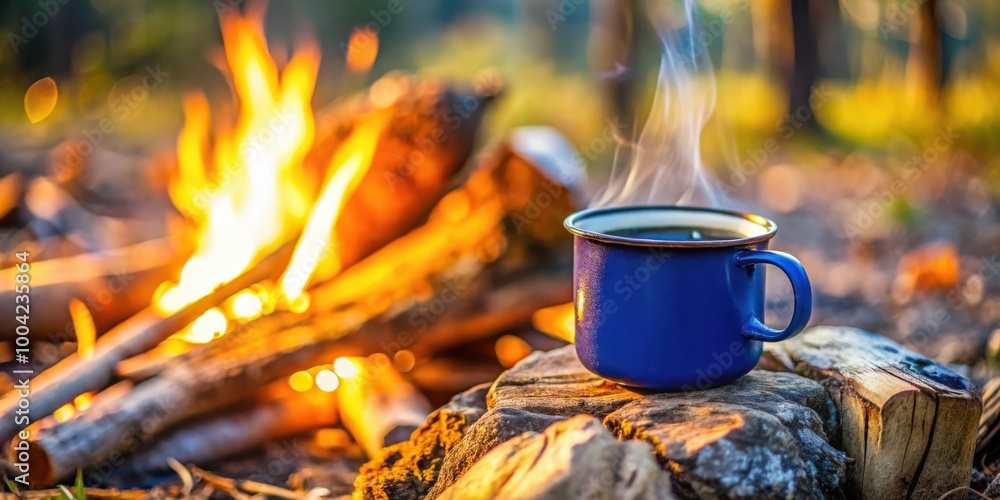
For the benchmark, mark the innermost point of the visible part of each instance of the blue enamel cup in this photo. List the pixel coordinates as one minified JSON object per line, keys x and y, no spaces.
{"x":676,"y":315}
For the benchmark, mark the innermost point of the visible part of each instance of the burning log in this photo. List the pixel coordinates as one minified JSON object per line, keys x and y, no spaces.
{"x":486,"y":310}
{"x":114,"y":284}
{"x":206,"y":384}
{"x":75,"y":375}
{"x":377,"y":405}
{"x":283,"y":413}
{"x":524,"y":227}
{"x":226,"y":370}
{"x":430,"y":133}
{"x":397,"y":217}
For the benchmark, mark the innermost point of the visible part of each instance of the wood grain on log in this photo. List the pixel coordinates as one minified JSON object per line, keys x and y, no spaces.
{"x":987,"y":457}
{"x":576,"y":458}
{"x":909,"y":423}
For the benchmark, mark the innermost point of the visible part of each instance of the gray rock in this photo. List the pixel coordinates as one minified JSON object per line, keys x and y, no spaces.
{"x":572,"y":459}
{"x":555,"y":383}
{"x":750,"y":439}
{"x":495,"y":427}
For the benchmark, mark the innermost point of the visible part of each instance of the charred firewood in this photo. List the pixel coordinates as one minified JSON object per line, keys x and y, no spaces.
{"x":114,"y":284}
{"x":75,"y":375}
{"x":395,"y":299}
{"x":431,"y":130}
{"x":987,"y":457}
{"x":418,"y":113}
{"x":278,"y":414}
{"x":471,"y":226}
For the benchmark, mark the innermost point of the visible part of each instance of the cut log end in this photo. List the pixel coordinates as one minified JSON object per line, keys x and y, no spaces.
{"x":908,"y":422}
{"x":39,"y":464}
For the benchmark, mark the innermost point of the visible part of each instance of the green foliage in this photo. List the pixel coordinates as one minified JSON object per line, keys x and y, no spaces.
{"x":903,"y":211}
{"x":81,"y":494}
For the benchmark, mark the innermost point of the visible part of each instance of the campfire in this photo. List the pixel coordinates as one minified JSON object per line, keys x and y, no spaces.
{"x":327,"y":250}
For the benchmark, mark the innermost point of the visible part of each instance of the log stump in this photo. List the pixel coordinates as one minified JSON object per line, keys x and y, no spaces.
{"x":908,"y":423}
{"x":771,"y":434}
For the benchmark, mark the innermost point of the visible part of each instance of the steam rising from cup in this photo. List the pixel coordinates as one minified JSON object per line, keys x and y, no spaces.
{"x":663,"y":165}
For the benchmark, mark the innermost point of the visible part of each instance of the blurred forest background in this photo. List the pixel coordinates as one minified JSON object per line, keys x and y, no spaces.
{"x":868,"y":128}
{"x":891,"y":71}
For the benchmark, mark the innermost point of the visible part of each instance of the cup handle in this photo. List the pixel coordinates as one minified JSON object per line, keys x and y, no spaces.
{"x":754,"y":328}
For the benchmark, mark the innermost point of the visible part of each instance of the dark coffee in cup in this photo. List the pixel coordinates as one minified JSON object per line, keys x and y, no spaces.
{"x":678,"y":233}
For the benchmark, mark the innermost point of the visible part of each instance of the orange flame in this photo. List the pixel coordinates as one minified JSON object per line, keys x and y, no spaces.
{"x":362,"y":49}
{"x":557,"y":321}
{"x":40,"y":99}
{"x":245,"y":195}
{"x":64,"y":413}
{"x":83,"y":325}
{"x":348,"y":167}
{"x":510,"y":349}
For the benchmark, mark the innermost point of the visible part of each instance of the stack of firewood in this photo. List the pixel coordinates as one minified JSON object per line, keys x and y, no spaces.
{"x":435,"y":256}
